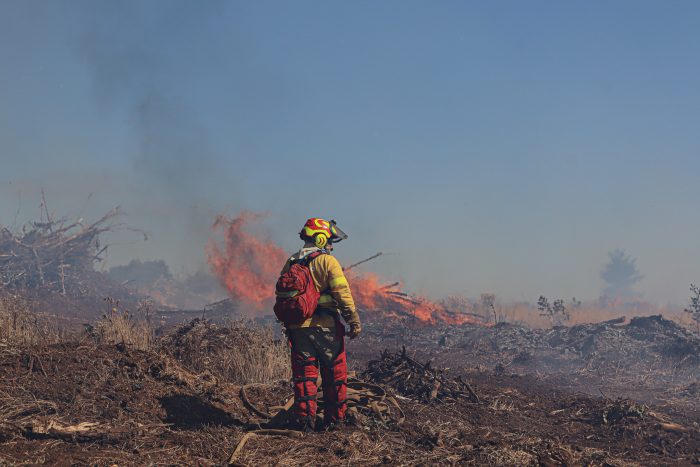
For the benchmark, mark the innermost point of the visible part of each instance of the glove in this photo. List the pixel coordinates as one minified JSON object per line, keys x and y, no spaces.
{"x":355,"y":330}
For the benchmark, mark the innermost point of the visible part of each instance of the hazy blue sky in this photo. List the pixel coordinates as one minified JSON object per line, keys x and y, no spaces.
{"x":494,"y":146}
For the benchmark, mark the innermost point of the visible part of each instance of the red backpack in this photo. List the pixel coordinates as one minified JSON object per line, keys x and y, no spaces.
{"x":296,"y":294}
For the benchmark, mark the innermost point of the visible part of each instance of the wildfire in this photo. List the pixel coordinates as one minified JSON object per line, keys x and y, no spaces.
{"x":373,"y":294}
{"x":248,"y":267}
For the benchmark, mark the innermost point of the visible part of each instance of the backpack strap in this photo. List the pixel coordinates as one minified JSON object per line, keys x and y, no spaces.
{"x":310,"y":257}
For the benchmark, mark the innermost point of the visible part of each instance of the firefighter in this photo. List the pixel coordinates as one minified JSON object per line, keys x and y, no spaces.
{"x":318,"y":342}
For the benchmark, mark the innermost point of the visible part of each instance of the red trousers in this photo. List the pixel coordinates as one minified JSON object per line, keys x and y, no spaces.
{"x":315,"y":349}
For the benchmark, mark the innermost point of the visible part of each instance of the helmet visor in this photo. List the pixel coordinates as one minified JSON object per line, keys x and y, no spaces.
{"x":338,"y":234}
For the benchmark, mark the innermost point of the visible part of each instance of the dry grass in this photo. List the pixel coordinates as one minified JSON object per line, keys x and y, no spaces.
{"x":123,"y":327}
{"x":235,"y":353}
{"x":258,"y":359}
{"x":491,"y":310}
{"x":19,"y":325}
{"x":507,"y":456}
{"x":502,"y":404}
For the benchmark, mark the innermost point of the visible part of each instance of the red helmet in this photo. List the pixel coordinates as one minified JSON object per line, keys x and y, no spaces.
{"x":322,"y":232}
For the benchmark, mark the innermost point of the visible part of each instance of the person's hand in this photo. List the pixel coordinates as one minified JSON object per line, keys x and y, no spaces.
{"x":355,"y":330}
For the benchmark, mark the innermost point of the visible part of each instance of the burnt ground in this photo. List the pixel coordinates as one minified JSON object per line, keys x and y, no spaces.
{"x":605,"y":394}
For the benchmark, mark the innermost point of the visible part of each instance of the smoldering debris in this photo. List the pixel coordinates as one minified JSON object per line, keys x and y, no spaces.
{"x":650,"y":342}
{"x":417,"y":380}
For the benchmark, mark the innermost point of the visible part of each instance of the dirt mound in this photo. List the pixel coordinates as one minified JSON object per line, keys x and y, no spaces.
{"x":87,"y":382}
{"x":203,"y":336}
{"x":234,"y":353}
{"x":105,"y":395}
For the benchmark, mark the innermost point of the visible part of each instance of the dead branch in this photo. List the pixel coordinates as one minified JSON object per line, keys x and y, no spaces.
{"x":54,"y":255}
{"x":363,"y":261}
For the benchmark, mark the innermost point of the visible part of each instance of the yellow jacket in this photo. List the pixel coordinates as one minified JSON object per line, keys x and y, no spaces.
{"x":335,"y":298}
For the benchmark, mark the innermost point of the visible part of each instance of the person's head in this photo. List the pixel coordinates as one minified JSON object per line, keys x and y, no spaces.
{"x":321,"y":233}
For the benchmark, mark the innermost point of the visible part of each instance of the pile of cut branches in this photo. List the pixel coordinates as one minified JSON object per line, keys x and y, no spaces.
{"x":53,"y":255}
{"x":417,"y":380}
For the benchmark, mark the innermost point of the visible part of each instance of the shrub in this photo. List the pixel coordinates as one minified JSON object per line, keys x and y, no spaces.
{"x":556,"y":311}
{"x":19,"y":325}
{"x":122,"y":327}
{"x":234,"y":353}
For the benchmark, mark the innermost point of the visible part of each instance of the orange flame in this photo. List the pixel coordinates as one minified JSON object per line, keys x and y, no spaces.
{"x":248,"y":268}
{"x":371,"y":295}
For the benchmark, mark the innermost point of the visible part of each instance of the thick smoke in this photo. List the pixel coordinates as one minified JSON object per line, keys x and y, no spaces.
{"x":175,"y":160}
{"x":173,"y":156}
{"x":175,"y":177}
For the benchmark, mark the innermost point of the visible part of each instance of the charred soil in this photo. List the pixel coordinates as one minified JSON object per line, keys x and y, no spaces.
{"x":604,"y":394}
